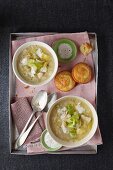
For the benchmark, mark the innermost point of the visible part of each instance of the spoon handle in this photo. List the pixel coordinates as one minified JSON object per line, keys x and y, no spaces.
{"x":24,"y":129}
{"x":25,"y":135}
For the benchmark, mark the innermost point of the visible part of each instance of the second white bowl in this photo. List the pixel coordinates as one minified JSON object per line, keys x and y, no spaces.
{"x":83,"y":140}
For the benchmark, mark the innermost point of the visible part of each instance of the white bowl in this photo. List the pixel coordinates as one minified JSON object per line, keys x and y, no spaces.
{"x":21,"y":48}
{"x":87,"y":137}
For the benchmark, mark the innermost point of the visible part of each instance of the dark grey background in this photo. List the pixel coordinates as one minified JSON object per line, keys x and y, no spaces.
{"x":60,"y":16}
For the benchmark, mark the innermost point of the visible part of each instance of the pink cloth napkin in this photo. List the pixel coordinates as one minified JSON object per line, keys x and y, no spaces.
{"x":21,"y":111}
{"x":38,"y":148}
{"x":86,"y":91}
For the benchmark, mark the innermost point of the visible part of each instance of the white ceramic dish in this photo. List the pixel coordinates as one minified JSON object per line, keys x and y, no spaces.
{"x":87,"y":137}
{"x":21,"y":48}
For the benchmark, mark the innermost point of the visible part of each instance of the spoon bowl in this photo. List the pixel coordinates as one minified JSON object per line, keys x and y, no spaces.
{"x":39,"y":101}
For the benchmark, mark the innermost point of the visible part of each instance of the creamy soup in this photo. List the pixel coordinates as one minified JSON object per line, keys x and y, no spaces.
{"x":35,"y":64}
{"x":71,"y":120}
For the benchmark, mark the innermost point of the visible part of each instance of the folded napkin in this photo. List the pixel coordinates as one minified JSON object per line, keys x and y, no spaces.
{"x":21,"y":111}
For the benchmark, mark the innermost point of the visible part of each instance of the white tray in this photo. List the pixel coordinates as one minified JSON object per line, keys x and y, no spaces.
{"x":88,"y":149}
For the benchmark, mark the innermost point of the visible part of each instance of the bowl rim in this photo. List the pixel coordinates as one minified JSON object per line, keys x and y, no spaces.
{"x":87,"y":137}
{"x":22,"y":47}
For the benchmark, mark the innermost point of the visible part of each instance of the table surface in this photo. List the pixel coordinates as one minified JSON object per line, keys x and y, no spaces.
{"x":60,"y":16}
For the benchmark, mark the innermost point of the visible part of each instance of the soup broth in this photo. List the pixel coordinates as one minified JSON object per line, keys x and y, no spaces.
{"x":35,"y":64}
{"x":71,"y":120}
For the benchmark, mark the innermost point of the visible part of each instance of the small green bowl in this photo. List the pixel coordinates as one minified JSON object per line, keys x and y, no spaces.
{"x":45,"y":145}
{"x":67,"y":46}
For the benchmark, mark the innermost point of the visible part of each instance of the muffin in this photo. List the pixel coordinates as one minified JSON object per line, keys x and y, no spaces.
{"x":64,"y":81}
{"x":82,"y":73}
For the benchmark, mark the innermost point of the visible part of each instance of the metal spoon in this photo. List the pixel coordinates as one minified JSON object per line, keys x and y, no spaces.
{"x":51,"y":99}
{"x":38,"y":103}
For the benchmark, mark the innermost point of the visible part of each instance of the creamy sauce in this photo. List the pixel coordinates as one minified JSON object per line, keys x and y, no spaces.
{"x":50,"y":141}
